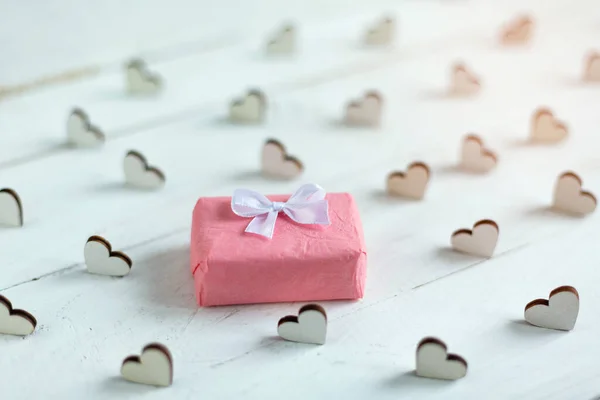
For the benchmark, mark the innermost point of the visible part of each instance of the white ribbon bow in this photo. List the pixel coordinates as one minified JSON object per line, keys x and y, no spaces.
{"x":306,"y":206}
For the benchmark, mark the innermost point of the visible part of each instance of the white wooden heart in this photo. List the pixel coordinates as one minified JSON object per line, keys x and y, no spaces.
{"x":382,"y":33}
{"x":518,"y":31}
{"x":284,"y":41}
{"x":481,"y":241}
{"x":570,"y":198}
{"x":475,"y":157}
{"x":11,"y":210}
{"x":15,"y":322}
{"x":411,"y":184}
{"x":139,"y":80}
{"x":366,"y":111}
{"x":250,"y":109}
{"x":80,"y":132}
{"x":592,"y":67}
{"x":546,"y":128}
{"x":139,"y":174}
{"x":276,"y":163}
{"x":433,"y":361}
{"x":100,"y":259}
{"x":558,"y":312}
{"x":310,"y":326}
{"x":153,"y":367}
{"x":463,"y":82}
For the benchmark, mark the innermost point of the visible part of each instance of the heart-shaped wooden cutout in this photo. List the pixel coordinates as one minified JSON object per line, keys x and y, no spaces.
{"x":474,"y":157}
{"x":382,"y":32}
{"x":153,"y":367}
{"x":366,"y":111}
{"x":570,"y":198}
{"x":276,"y":163}
{"x":434,"y":361}
{"x":139,"y":80}
{"x":80,"y":132}
{"x":480,"y":241}
{"x":310,"y":326}
{"x":100,"y":259}
{"x":463,"y":82}
{"x":250,"y":109}
{"x":11,"y":210}
{"x":592,"y":67}
{"x":546,"y":128}
{"x":284,"y":41}
{"x":15,"y":322}
{"x":517,"y":32}
{"x":139,"y":174}
{"x":558,"y":312}
{"x":411,"y":184}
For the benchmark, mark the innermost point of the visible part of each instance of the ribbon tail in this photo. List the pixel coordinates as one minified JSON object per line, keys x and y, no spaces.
{"x":263,"y":224}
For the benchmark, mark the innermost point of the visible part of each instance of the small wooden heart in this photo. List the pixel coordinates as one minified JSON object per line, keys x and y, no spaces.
{"x":592,"y":67}
{"x":80,"y":132}
{"x":249,"y":109}
{"x":434,"y":361}
{"x":481,"y":241}
{"x":100,"y":259}
{"x":284,"y":41}
{"x":139,"y":174}
{"x":546,"y":128}
{"x":366,"y":111}
{"x":139,"y":80}
{"x":475,"y":157}
{"x":382,"y":33}
{"x":570,"y":198}
{"x":15,"y":322}
{"x":11,"y":209}
{"x":310,"y":326}
{"x":558,"y":312}
{"x":411,"y":184}
{"x":517,"y":32}
{"x":276,"y":163}
{"x":463,"y":82}
{"x":153,"y":367}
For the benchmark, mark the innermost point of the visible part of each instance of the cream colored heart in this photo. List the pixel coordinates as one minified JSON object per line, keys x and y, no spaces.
{"x":141,"y":81}
{"x":411,"y":184}
{"x":284,"y":41}
{"x":546,"y":128}
{"x":80,"y":132}
{"x":250,"y":109}
{"x":475,"y":157}
{"x":15,"y":322}
{"x":558,"y":312}
{"x":433,"y":361}
{"x":463,"y":82}
{"x":11,"y":211}
{"x":481,"y":241}
{"x":309,"y":327}
{"x":139,"y":174}
{"x":100,"y":259}
{"x":518,"y":31}
{"x":153,"y":367}
{"x":365,"y":112}
{"x":276,"y":163}
{"x":569,"y":198}
{"x":592,"y":70}
{"x":382,"y":33}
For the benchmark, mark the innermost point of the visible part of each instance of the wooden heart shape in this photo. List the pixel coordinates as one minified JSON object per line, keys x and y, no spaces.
{"x":15,"y":322}
{"x":139,"y":80}
{"x":284,"y":41}
{"x":570,"y":198}
{"x":11,"y":210}
{"x":250,"y":109}
{"x":558,"y":312}
{"x":411,"y":184}
{"x":481,"y":241}
{"x":80,"y":132}
{"x":276,"y":163}
{"x":592,"y":67}
{"x":474,"y":157}
{"x":100,"y":259}
{"x":139,"y":174}
{"x":381,"y":33}
{"x":546,"y":128}
{"x":310,"y":326}
{"x":518,"y":31}
{"x":153,"y":367}
{"x":463,"y":82}
{"x":366,"y":111}
{"x":434,"y":361}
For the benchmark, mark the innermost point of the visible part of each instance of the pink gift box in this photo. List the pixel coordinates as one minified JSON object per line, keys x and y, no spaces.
{"x":300,"y":263}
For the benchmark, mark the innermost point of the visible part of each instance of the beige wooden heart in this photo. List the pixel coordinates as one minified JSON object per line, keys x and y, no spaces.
{"x":518,"y":31}
{"x":382,"y":32}
{"x":570,"y":198}
{"x":284,"y":41}
{"x":592,"y":67}
{"x":11,"y":209}
{"x":411,"y":184}
{"x":153,"y":367}
{"x":474,"y":157}
{"x":276,"y":163}
{"x":139,"y":80}
{"x":558,"y":312}
{"x":433,"y":361}
{"x":80,"y":132}
{"x":249,"y":109}
{"x":15,"y":322}
{"x":100,"y":259}
{"x":310,"y":326}
{"x":141,"y":175}
{"x":366,"y":111}
{"x":480,"y":241}
{"x":463,"y":82}
{"x":546,"y":128}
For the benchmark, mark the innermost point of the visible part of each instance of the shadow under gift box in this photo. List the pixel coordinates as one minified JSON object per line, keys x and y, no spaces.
{"x":300,"y":263}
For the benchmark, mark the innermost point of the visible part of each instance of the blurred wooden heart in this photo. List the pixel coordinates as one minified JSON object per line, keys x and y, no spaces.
{"x":411,"y":184}
{"x":558,"y":312}
{"x":570,"y":198}
{"x":249,"y":109}
{"x":153,"y":367}
{"x":382,"y":32}
{"x":481,"y":241}
{"x":11,"y":210}
{"x":463,"y":82}
{"x":15,"y":322}
{"x":141,"y":175}
{"x":276,"y":163}
{"x":139,"y":80}
{"x":100,"y":259}
{"x":592,"y":67}
{"x":434,"y":361}
{"x":310,"y":326}
{"x":80,"y":132}
{"x":546,"y":128}
{"x":475,"y":157}
{"x":518,"y":31}
{"x":284,"y":41}
{"x":366,"y":111}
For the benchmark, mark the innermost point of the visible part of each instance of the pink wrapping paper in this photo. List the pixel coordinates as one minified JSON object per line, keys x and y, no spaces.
{"x":300,"y":262}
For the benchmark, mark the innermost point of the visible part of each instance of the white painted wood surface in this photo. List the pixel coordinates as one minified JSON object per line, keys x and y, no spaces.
{"x":209,"y":53}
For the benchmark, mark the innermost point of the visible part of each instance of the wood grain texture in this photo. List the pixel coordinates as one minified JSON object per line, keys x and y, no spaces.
{"x":416,"y":285}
